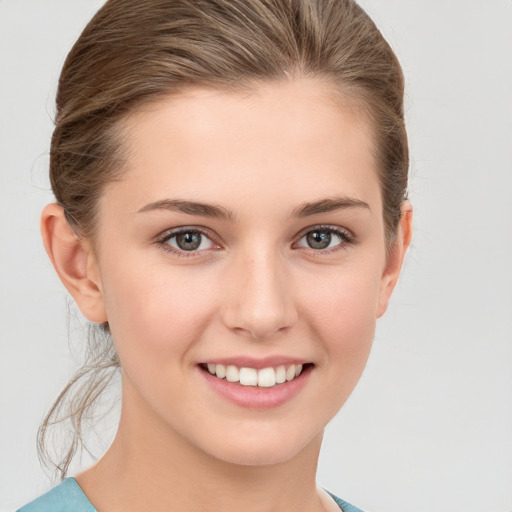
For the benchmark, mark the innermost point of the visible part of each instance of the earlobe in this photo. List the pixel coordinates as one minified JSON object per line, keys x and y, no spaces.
{"x":395,"y":258}
{"x":74,"y":263}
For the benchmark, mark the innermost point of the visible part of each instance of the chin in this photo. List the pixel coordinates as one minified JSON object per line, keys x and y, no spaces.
{"x":264,"y":449}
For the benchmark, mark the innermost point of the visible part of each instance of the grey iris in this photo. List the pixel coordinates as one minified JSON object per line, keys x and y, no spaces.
{"x":318,"y":239}
{"x":188,"y":241}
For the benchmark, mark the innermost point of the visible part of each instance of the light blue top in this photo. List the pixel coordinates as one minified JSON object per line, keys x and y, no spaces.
{"x":68,"y":497}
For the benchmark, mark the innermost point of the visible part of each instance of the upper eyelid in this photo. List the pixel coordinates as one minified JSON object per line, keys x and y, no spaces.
{"x":204,"y":229}
{"x":326,"y":227}
{"x":163,"y":239}
{"x":169,"y":233}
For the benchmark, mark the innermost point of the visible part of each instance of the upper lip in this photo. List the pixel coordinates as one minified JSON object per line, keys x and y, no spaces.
{"x":256,"y":362}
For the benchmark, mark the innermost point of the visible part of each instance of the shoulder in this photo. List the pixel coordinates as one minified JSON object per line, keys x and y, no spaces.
{"x":66,"y":497}
{"x":344,"y":506}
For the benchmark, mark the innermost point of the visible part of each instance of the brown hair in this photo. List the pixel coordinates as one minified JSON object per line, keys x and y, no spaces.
{"x":133,"y":52}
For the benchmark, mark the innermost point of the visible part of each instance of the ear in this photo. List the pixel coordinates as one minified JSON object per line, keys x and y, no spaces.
{"x":74,"y":262}
{"x":395,"y":258}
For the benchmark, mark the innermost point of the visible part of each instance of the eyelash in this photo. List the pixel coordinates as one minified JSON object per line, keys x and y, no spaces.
{"x":168,"y":235}
{"x":346,"y":239}
{"x":345,"y":236}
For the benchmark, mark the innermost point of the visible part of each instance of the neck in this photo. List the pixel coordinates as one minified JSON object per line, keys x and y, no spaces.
{"x":149,"y":468}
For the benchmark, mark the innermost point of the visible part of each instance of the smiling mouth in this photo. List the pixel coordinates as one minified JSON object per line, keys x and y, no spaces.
{"x":263,"y":378}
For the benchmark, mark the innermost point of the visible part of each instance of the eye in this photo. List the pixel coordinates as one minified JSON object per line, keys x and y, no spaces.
{"x":186,"y":240}
{"x":323,"y":238}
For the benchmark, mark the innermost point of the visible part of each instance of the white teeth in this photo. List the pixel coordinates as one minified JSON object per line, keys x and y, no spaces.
{"x":290,"y":373}
{"x":280,"y":374}
{"x":220,"y":371}
{"x":264,"y":378}
{"x":248,"y":377}
{"x":232,"y":374}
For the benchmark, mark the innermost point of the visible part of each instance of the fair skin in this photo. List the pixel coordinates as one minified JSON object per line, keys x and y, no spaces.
{"x":287,"y":265}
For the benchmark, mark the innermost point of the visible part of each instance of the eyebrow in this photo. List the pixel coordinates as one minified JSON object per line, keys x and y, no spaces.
{"x":328,"y":205}
{"x":219,"y":212}
{"x":191,"y":208}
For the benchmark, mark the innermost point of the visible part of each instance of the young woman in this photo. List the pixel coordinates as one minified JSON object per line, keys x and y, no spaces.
{"x":230,"y":183}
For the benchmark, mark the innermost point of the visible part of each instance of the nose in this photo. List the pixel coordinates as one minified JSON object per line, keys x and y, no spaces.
{"x":260,"y":300}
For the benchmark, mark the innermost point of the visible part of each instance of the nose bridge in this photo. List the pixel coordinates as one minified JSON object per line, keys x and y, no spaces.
{"x":261,"y":300}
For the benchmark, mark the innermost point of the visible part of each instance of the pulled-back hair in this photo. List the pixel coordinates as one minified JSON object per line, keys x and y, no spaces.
{"x":133,"y":52}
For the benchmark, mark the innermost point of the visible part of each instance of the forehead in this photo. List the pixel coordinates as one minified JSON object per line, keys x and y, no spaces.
{"x":282,"y":139}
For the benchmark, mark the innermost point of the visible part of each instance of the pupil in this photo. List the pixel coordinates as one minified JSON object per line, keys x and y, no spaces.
{"x":319,"y":239}
{"x":188,"y":241}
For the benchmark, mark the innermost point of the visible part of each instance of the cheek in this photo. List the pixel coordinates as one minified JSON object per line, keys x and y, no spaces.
{"x":157,"y":310}
{"x":341,"y":318}
{"x":343,"y":313}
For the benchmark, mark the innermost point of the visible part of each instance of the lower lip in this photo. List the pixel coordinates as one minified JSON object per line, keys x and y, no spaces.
{"x":254,"y":397}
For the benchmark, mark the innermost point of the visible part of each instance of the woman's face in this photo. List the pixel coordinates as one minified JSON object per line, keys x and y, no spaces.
{"x":246,"y":237}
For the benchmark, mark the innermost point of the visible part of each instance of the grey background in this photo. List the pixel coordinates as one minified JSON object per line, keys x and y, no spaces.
{"x":429,"y":427}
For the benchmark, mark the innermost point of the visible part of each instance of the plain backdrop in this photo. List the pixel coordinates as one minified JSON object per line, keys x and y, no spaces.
{"x":429,"y":427}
